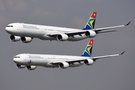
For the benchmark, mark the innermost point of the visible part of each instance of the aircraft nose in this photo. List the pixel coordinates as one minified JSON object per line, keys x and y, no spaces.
{"x":8,"y":29}
{"x":16,"y":60}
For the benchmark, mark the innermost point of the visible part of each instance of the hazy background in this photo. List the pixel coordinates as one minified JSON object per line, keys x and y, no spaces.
{"x":117,"y":73}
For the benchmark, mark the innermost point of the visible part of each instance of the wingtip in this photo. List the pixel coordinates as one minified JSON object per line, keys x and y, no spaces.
{"x":122,"y":53}
{"x":128,"y":23}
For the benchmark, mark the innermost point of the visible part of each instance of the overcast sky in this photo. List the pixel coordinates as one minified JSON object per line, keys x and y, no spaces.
{"x":115,"y":73}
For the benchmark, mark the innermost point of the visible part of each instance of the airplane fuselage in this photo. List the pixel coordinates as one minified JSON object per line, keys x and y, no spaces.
{"x":45,"y":59}
{"x":26,"y":32}
{"x":41,"y":31}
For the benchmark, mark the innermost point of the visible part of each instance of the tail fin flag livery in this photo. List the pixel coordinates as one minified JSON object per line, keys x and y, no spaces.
{"x":88,"y":49}
{"x":91,"y":22}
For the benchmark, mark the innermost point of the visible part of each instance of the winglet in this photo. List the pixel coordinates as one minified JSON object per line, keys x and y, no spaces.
{"x":128,"y":23}
{"x":122,"y":53}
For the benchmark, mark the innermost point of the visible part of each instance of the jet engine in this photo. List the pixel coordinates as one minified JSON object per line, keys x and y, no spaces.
{"x":20,"y":66}
{"x":31,"y":67}
{"x":26,"y":39}
{"x":90,"y":33}
{"x":14,"y":38}
{"x":62,"y":37}
{"x":64,"y":65}
{"x":88,"y":61}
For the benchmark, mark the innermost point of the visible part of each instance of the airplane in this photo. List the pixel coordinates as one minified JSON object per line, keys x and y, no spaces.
{"x":26,"y":32}
{"x":31,"y":61}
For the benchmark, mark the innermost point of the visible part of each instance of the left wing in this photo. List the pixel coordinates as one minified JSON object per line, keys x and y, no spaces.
{"x":79,"y":32}
{"x":106,"y":56}
{"x":106,"y":28}
{"x":78,"y":60}
{"x":100,"y":29}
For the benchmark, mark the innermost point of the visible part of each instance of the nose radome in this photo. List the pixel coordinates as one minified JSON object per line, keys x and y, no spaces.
{"x":8,"y":29}
{"x":16,"y":60}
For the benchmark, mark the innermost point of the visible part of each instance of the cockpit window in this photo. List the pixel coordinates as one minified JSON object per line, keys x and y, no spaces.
{"x":17,"y":57}
{"x":10,"y":26}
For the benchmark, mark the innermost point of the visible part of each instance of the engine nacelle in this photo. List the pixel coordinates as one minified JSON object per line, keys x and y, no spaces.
{"x":15,"y":38}
{"x":64,"y":65}
{"x":88,"y":61}
{"x":62,"y":37}
{"x":26,"y":39}
{"x":90,"y":33}
{"x":31,"y":67}
{"x":20,"y":66}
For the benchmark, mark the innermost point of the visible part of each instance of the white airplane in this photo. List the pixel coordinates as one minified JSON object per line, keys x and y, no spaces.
{"x":31,"y":61}
{"x":26,"y":32}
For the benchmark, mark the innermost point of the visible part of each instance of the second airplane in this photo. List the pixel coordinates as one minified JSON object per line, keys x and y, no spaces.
{"x":31,"y":61}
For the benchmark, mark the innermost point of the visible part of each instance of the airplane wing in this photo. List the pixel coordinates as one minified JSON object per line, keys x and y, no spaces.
{"x":106,"y":56}
{"x":79,"y":32}
{"x":100,"y":29}
{"x":79,"y":60}
{"x":106,"y":28}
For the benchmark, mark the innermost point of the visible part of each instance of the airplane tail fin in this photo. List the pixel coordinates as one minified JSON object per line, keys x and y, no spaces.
{"x":88,"y":50}
{"x":91,"y":22}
